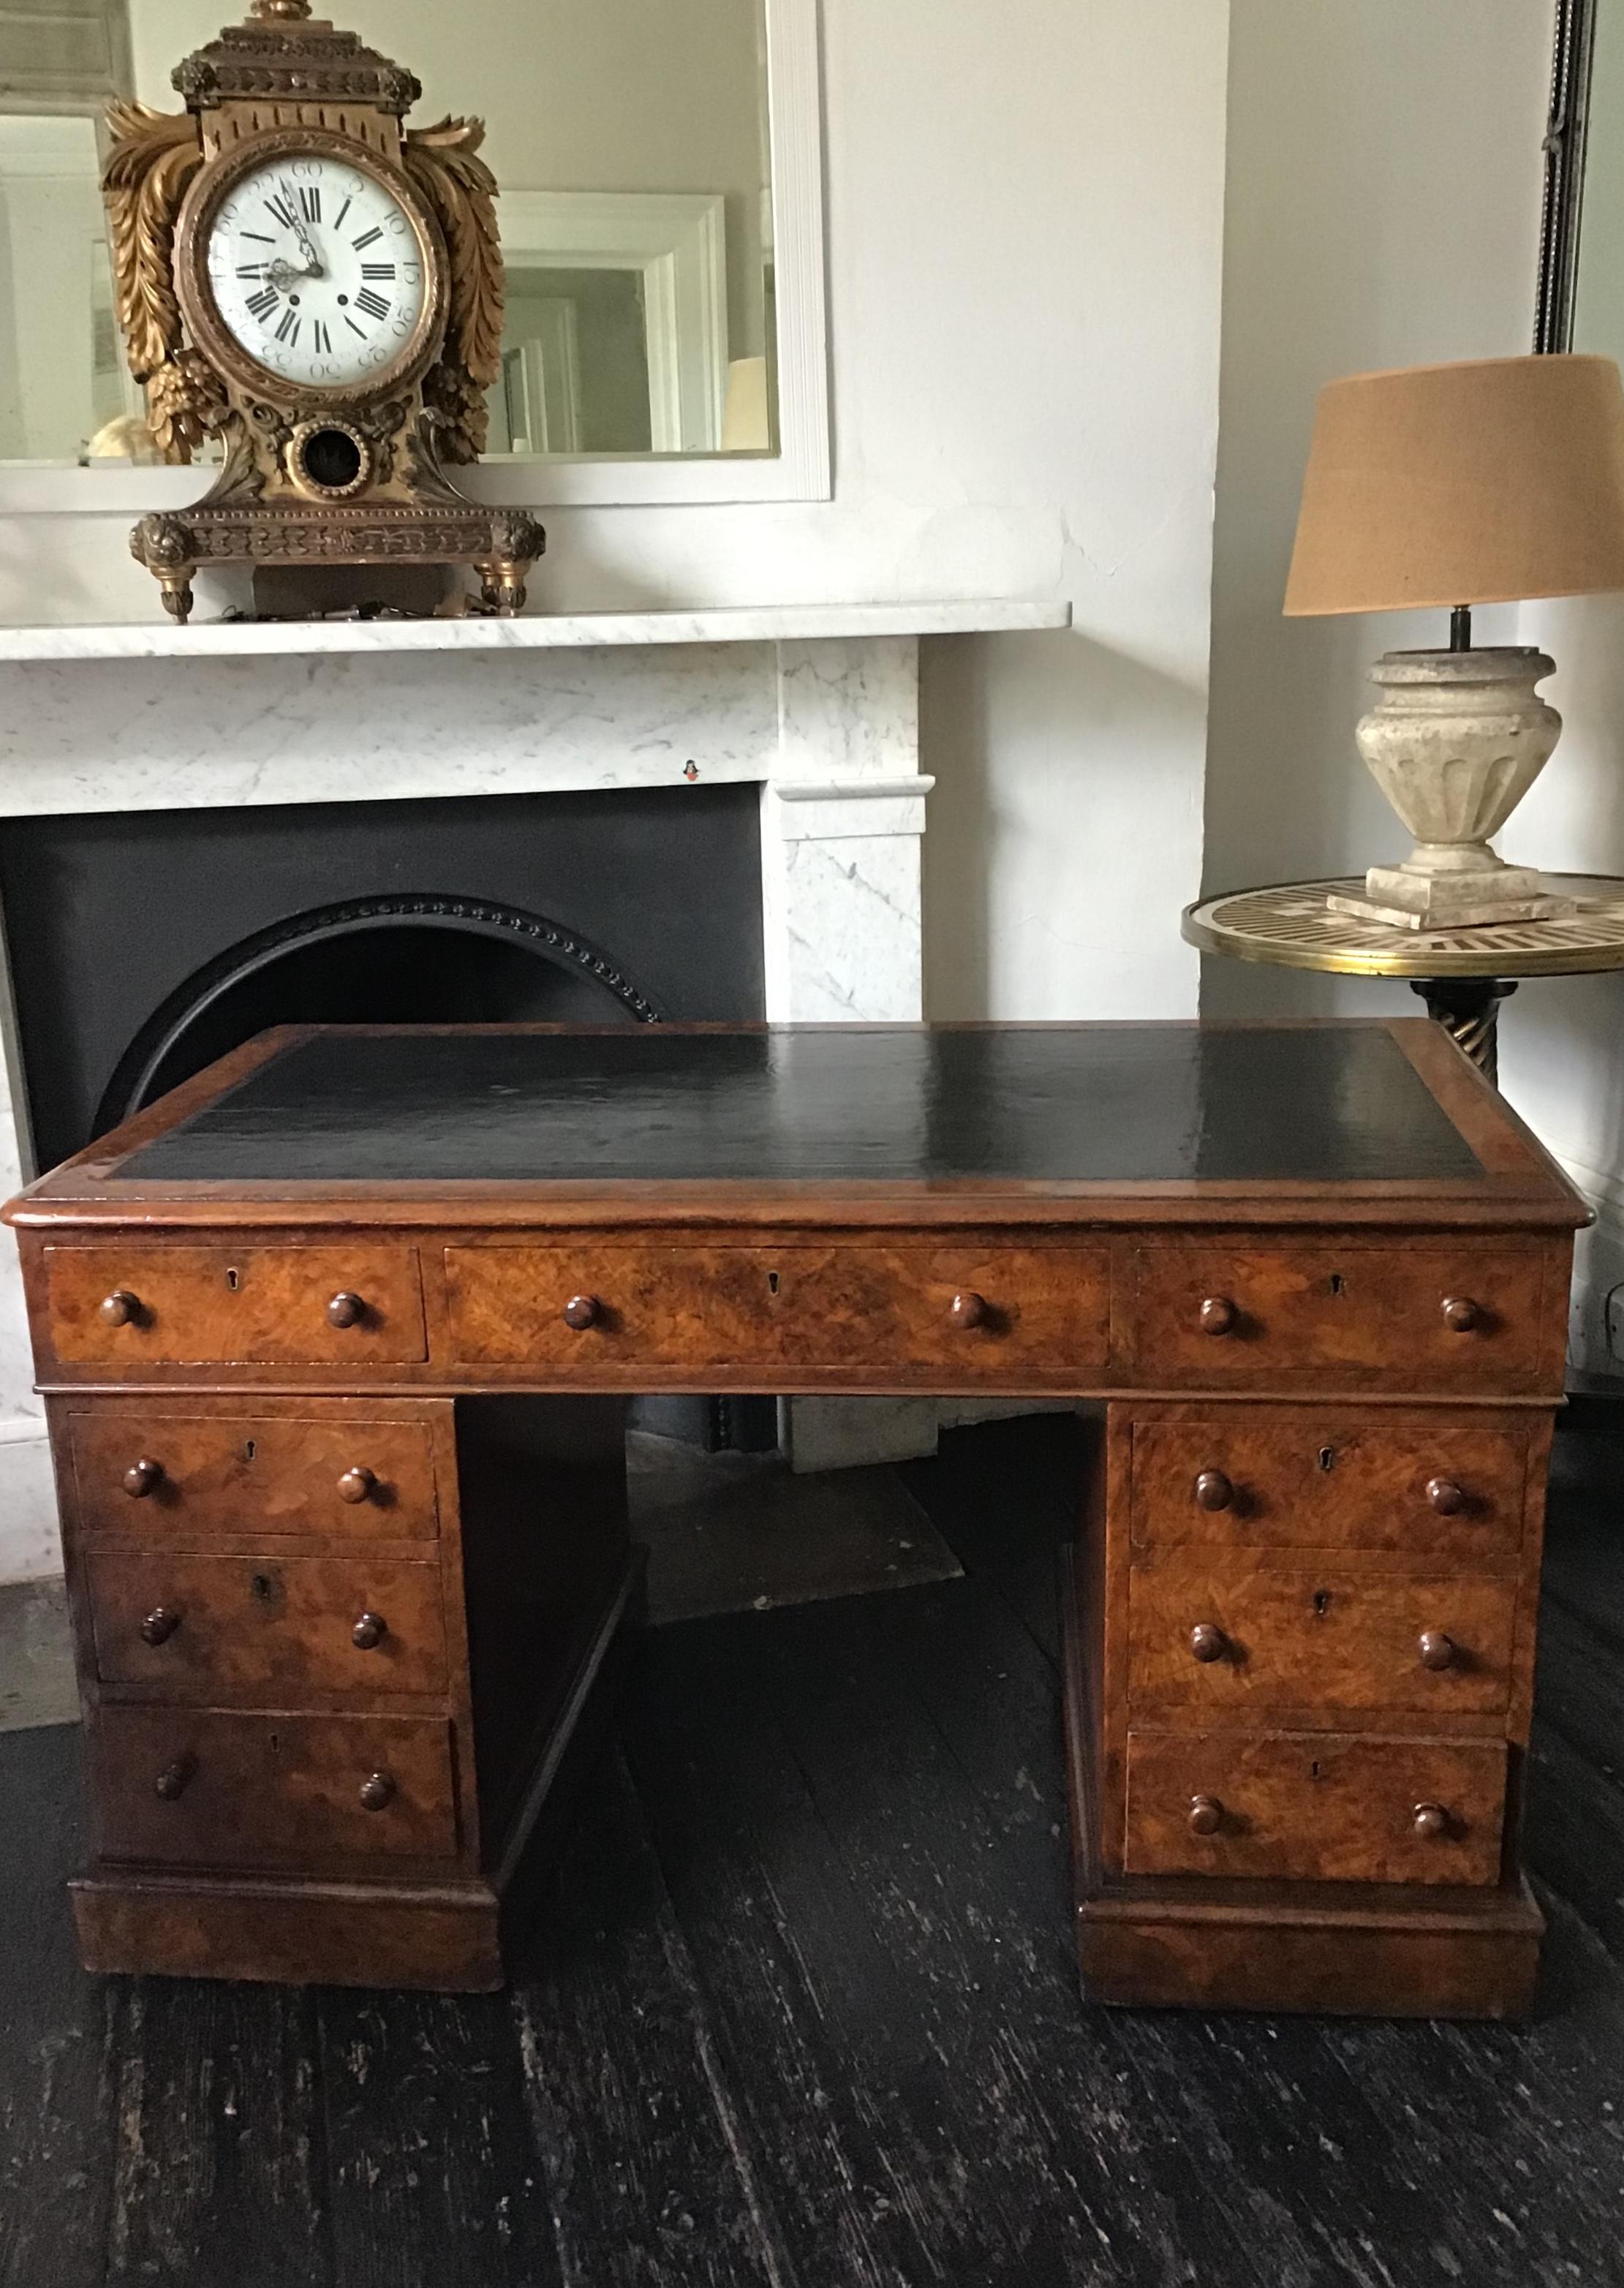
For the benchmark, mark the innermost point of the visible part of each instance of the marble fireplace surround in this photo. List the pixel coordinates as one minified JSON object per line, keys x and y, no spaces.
{"x":817,"y":704}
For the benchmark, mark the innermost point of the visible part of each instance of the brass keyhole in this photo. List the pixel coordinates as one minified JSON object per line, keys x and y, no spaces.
{"x":1327,"y":1457}
{"x":1322,"y":1602}
{"x":233,"y":1280}
{"x":251,"y":1449}
{"x":262,"y":1586}
{"x":772,"y":1282}
{"x":1338,"y":1283}
{"x":1314,"y":1771}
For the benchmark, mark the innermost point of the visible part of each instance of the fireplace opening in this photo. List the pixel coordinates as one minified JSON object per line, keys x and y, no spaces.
{"x":420,"y":959}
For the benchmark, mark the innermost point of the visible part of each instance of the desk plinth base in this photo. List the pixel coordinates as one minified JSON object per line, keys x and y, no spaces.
{"x":1143,"y":1946}
{"x":446,"y":1941}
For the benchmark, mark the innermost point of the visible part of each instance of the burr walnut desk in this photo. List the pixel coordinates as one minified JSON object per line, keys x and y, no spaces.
{"x":332,"y":1342}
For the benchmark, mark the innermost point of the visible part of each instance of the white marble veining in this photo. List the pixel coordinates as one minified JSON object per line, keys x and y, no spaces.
{"x":849,"y":709}
{"x":819,"y":705}
{"x":562,"y":632}
{"x":844,"y":927}
{"x":144,"y":736}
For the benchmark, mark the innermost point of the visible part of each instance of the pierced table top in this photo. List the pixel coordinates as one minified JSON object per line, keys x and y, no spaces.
{"x":1292,"y":925}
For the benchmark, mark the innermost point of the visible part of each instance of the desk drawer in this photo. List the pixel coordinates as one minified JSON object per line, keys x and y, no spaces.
{"x":1229,"y":1639}
{"x":1315,"y":1808}
{"x":206,"y":1789}
{"x":266,"y":1628}
{"x":130,"y":1306}
{"x":160,"y":1475}
{"x":1316,"y":1479}
{"x":935,"y":1316}
{"x":1401,"y":1318}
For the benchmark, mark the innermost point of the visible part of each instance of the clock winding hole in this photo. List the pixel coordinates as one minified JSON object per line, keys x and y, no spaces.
{"x":331,"y":458}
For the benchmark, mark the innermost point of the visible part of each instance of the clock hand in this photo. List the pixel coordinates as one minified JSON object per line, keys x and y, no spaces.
{"x":306,"y":246}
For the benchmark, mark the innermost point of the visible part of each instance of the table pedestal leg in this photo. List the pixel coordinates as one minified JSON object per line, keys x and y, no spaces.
{"x":1468,"y":1009}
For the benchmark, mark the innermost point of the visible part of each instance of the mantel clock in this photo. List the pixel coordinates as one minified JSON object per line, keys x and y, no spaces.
{"x":320,"y":288}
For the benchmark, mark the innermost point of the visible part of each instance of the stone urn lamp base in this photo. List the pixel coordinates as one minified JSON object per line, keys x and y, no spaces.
{"x":1457,"y":741}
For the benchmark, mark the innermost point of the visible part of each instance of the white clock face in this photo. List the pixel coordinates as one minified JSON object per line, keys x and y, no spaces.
{"x":317,"y":271}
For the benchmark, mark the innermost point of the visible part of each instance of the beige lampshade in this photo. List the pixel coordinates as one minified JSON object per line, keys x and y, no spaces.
{"x":1463,"y":484}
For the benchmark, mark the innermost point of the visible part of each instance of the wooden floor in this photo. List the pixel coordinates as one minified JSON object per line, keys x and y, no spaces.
{"x":804,"y":2014}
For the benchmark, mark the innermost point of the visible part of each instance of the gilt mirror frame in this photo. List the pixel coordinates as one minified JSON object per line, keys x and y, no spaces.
{"x":1566,"y":135}
{"x":801,"y":469}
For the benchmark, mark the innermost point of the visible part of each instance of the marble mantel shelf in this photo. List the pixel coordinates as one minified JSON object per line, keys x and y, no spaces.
{"x":575,"y":631}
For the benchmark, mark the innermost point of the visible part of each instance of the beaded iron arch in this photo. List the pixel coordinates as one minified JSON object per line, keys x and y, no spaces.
{"x":550,"y":940}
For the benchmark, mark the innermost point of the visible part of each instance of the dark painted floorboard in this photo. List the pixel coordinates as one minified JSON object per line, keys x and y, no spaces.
{"x":803,"y":2012}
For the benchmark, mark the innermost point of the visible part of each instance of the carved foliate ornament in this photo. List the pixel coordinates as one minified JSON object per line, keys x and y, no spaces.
{"x":303,"y":277}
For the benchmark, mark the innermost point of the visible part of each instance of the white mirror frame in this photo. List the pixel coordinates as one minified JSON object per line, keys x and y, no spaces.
{"x":801,"y":470}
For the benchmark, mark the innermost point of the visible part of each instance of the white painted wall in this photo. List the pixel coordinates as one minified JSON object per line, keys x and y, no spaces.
{"x":1025,"y":268}
{"x":1383,"y":206}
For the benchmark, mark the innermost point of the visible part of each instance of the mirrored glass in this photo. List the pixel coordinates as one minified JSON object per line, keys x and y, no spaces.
{"x":1599,"y":300}
{"x":631,"y":142}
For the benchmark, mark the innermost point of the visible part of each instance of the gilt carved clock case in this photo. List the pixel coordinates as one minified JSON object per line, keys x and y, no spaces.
{"x":319,"y":287}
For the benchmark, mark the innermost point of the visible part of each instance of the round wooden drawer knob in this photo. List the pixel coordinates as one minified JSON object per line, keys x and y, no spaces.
{"x":581,"y":1312}
{"x":369,"y":1632}
{"x":1206,"y":1814}
{"x":1462,"y":1313}
{"x":356,"y":1486}
{"x":121,"y":1309}
{"x":172,"y":1783}
{"x":142,"y":1478}
{"x":1431,"y":1821}
{"x":1208,"y":1644}
{"x":345,"y":1310}
{"x":1446,"y":1497}
{"x":1436,"y":1650}
{"x":160,"y":1625}
{"x":968,"y":1310}
{"x":1219,"y":1316}
{"x":1214,"y":1491}
{"x":378,"y":1793}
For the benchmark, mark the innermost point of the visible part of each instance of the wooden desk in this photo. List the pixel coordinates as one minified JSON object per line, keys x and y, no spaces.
{"x":330,"y":1341}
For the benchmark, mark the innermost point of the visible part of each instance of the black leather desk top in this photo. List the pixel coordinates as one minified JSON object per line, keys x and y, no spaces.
{"x":1113,"y":1104}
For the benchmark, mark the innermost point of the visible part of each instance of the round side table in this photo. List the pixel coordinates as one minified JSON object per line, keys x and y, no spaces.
{"x":1463,"y":974}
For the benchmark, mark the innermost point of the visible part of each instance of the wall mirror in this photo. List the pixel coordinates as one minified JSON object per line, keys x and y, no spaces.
{"x":662,"y":222}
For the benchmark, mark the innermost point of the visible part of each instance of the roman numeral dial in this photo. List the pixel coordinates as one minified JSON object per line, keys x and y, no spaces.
{"x":317,"y":271}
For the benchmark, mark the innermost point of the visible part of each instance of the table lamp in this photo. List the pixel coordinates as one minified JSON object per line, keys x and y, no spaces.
{"x":1456,"y":484}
